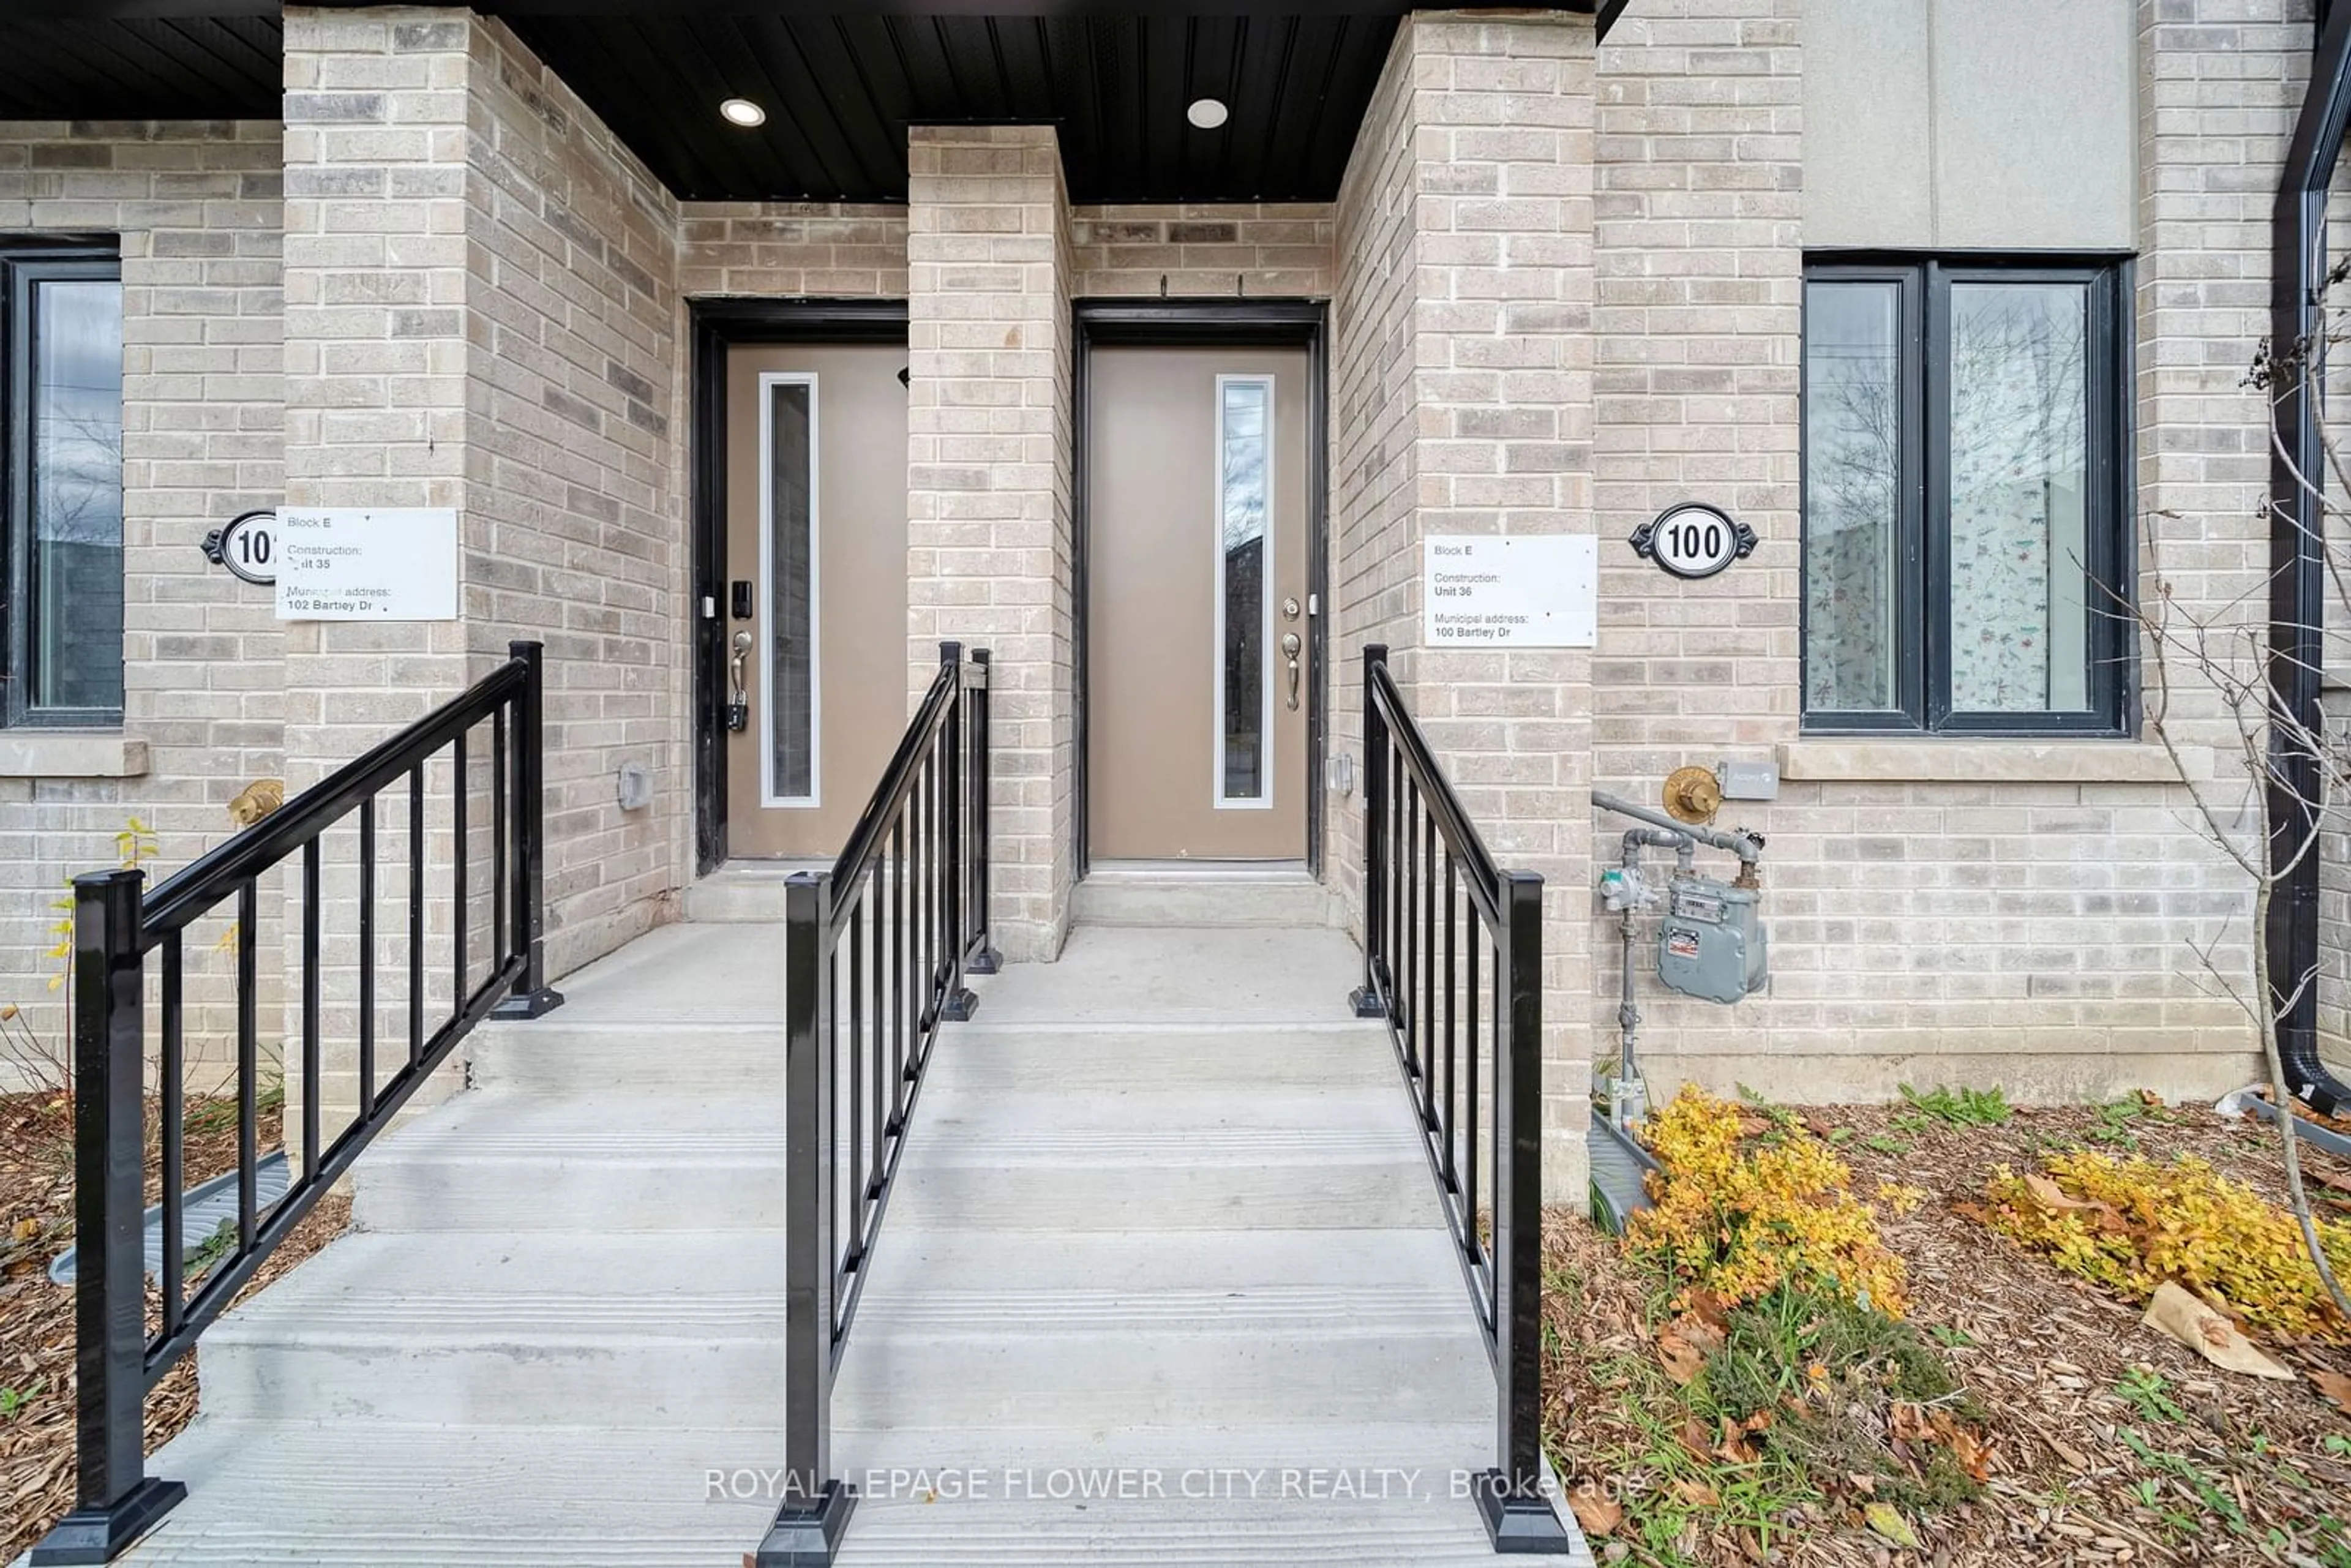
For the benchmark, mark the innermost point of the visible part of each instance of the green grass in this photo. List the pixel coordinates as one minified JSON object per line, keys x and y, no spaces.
{"x":2148,"y":1394}
{"x":211,"y":1250}
{"x":15,"y":1399}
{"x":1952,"y":1107}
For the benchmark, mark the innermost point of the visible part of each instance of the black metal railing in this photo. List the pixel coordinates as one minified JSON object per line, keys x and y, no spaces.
{"x":876,"y":952}
{"x":1453,"y":962}
{"x":117,"y":926}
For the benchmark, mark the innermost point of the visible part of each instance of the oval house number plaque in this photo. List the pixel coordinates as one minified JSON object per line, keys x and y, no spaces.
{"x":1693,"y":540}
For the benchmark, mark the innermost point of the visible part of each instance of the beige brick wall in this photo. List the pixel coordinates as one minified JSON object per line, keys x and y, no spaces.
{"x":817,"y":249}
{"x":988,"y":532}
{"x":1230,"y":250}
{"x":1464,"y":336}
{"x":483,"y":313}
{"x":2018,"y":925}
{"x":196,"y":209}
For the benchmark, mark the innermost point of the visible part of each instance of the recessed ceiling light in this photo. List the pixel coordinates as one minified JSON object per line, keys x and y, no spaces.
{"x":742,"y":111}
{"x":1207,"y":114}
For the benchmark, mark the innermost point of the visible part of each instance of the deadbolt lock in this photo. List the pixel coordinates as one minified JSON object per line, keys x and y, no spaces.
{"x":1290,"y":609}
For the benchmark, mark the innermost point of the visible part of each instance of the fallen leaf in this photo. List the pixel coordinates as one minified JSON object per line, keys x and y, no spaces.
{"x":1696,"y":1493}
{"x":2336,"y":1387}
{"x":1599,"y":1514}
{"x":1753,"y":1126}
{"x":1681,"y":1359}
{"x":2051,"y":1197}
{"x":1887,"y":1521}
{"x":1694,"y":1439}
{"x":2193,"y":1323}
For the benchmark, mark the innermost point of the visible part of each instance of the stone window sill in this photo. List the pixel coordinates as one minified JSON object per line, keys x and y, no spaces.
{"x":70,"y":753}
{"x":1965,"y":761}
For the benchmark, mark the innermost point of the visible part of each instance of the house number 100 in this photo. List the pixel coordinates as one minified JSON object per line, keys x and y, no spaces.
{"x":1693,"y":540}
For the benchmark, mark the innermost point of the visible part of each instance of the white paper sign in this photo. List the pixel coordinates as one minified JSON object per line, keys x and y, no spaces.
{"x":367,"y":563}
{"x":1480,"y":591}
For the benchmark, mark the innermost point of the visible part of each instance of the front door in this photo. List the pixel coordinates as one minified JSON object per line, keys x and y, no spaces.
{"x":816,"y":602}
{"x":1196,"y":632}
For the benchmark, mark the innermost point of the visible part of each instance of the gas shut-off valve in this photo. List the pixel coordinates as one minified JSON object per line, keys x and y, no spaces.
{"x":1711,"y":942}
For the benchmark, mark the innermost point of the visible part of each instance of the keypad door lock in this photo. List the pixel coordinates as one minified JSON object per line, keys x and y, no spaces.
{"x":738,"y":701}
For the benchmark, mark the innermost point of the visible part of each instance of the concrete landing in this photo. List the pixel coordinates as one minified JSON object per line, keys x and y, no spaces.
{"x":1164,"y":1280}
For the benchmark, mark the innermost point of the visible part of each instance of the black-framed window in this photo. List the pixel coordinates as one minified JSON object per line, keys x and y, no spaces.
{"x":1965,"y":513}
{"x":61,"y":400}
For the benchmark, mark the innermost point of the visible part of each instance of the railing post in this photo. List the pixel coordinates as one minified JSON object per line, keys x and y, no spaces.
{"x":1367,"y":1001}
{"x":959,"y":1003}
{"x":531,"y":996}
{"x":115,"y":1500}
{"x":817,"y":1503}
{"x":985,"y":959}
{"x":1520,"y":1518}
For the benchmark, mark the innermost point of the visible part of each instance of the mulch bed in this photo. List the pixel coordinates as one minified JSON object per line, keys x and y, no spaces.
{"x":2041,"y":1351}
{"x":36,"y":1317}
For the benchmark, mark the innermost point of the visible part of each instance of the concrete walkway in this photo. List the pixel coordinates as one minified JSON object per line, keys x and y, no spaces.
{"x":1164,"y":1280}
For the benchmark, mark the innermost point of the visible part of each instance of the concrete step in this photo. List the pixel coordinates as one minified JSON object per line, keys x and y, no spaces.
{"x":503,"y":1161}
{"x":1201,"y":894}
{"x":276,"y":1494}
{"x":1164,"y":976}
{"x":744,"y":891}
{"x":560,"y":1056}
{"x":685,"y":1329}
{"x":983,"y":1056}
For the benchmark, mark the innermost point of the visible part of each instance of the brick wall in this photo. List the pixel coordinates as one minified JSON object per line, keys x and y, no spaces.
{"x":1463,"y":405}
{"x":1219,"y":249}
{"x":483,"y":313}
{"x":818,"y":249}
{"x":988,"y":532}
{"x":1979,"y":913}
{"x":196,"y":207}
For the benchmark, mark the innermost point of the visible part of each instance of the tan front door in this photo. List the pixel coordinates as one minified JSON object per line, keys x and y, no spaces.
{"x":1195,"y":568}
{"x":816,"y":554}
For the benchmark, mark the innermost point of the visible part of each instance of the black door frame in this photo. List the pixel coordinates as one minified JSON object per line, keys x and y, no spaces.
{"x":714,"y":326}
{"x":1182,"y":323}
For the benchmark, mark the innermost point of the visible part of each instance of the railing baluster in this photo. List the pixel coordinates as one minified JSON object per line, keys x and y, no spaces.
{"x":311,"y":1041}
{"x":885,"y":1126}
{"x":460,"y":853}
{"x":983,"y":958}
{"x":1476,"y":1047}
{"x":416,"y":915}
{"x":171,"y":1093}
{"x":499,"y":863}
{"x":1429,"y":973}
{"x":860,"y":1175}
{"x":248,"y":1064}
{"x":1445,"y":1103}
{"x":367,"y":960}
{"x":900,"y":1000}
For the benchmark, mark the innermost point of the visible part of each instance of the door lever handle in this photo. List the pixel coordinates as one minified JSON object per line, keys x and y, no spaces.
{"x":1291,"y":646}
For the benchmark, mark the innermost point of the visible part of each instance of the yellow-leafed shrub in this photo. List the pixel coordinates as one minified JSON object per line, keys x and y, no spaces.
{"x":1745,"y":1203}
{"x":2131,"y":1224}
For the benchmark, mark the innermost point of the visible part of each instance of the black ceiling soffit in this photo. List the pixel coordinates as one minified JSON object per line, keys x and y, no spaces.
{"x":840,"y":87}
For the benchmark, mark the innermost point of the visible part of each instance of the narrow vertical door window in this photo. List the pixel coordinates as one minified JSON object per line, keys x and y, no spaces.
{"x":1244,"y":533}
{"x":789,"y":471}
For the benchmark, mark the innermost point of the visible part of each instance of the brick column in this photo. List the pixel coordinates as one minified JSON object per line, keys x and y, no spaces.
{"x":1463,"y":404}
{"x":483,"y":314}
{"x":989,"y":541}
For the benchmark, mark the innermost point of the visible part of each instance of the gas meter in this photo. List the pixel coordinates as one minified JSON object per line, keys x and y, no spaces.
{"x":1711,"y":942}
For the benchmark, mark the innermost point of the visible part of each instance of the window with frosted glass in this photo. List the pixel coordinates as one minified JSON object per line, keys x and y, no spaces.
{"x":791,"y":591}
{"x":64,"y":391}
{"x":1965,"y":516}
{"x":1244,"y":456}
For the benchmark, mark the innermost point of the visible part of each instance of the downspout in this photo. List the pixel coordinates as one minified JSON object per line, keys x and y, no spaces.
{"x":2297,"y":552}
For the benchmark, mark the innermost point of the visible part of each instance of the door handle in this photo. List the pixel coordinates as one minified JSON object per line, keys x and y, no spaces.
{"x":1290,"y":647}
{"x":738,"y":704}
